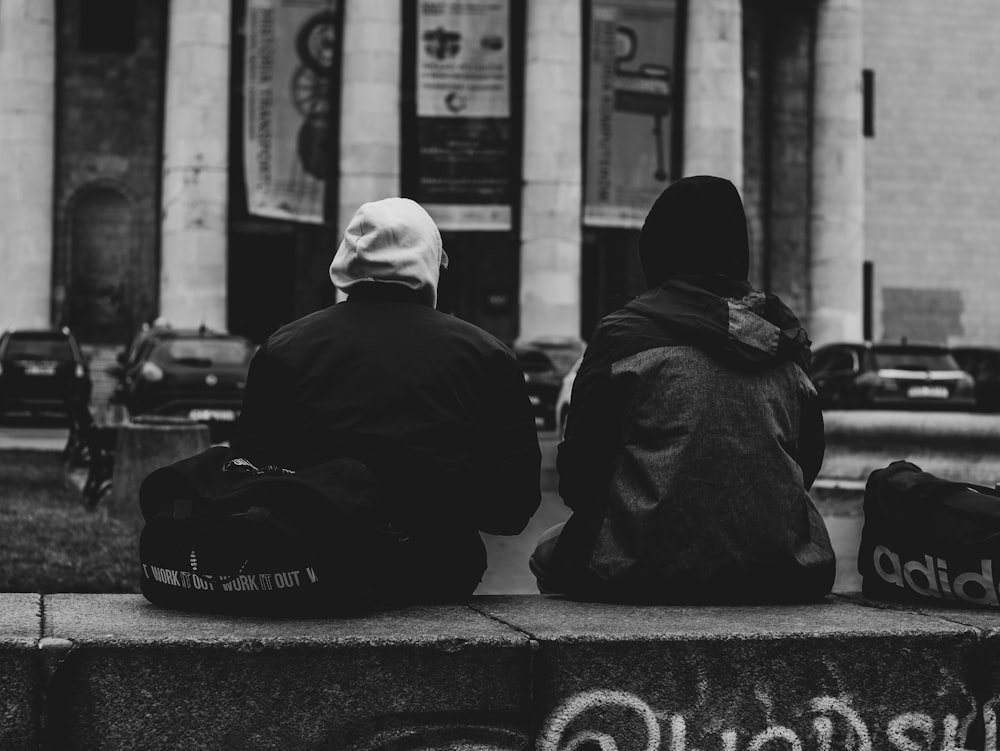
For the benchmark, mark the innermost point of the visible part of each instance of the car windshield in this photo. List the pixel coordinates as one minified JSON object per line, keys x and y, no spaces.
{"x":914,"y":360}
{"x":39,"y":347}
{"x":536,"y":358}
{"x":564,"y":359}
{"x":206,"y":352}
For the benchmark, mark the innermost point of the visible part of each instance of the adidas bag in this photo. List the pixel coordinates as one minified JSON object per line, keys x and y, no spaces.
{"x":221,"y":535}
{"x":929,"y":540}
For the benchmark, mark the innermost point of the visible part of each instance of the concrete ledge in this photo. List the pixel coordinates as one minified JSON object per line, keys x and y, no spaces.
{"x":21,"y":683}
{"x":519,"y":672}
{"x":952,"y":445}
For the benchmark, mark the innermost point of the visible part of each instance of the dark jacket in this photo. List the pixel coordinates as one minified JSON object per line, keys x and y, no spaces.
{"x":436,"y":407}
{"x":694,"y":435}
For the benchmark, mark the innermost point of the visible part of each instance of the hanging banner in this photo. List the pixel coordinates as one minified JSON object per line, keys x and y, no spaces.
{"x":463,"y":114}
{"x":291,"y":68}
{"x":629,"y":109}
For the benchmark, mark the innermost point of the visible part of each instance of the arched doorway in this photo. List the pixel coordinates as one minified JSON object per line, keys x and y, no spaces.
{"x":100,"y":299}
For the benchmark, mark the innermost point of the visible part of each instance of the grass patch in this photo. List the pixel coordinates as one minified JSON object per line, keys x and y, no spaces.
{"x":49,"y":542}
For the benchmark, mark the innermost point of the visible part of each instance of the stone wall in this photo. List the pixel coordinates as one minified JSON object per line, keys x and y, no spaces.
{"x":498,"y":674}
{"x":933,"y":165}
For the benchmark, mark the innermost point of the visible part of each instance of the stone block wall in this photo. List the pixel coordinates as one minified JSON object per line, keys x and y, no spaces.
{"x":498,"y":674}
{"x":932,"y":211}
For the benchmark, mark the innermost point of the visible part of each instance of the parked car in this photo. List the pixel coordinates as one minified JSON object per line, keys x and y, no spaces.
{"x":983,"y":364}
{"x":195,"y":373}
{"x":545,"y":361}
{"x":907,"y":376}
{"x":41,"y":370}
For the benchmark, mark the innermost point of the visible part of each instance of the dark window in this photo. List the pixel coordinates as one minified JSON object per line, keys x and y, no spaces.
{"x":207,"y":352}
{"x":868,"y":94}
{"x":107,"y":26}
{"x":39,"y":347}
{"x":927,"y":359}
{"x":820,"y":360}
{"x":844,"y":360}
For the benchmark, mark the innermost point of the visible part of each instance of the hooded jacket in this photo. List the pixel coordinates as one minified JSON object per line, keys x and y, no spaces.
{"x":436,"y":407}
{"x":694,"y":436}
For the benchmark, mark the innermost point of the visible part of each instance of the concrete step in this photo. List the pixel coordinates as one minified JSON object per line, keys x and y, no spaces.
{"x":501,"y":673}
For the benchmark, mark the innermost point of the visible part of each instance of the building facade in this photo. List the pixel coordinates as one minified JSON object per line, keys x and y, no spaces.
{"x":862,"y":136}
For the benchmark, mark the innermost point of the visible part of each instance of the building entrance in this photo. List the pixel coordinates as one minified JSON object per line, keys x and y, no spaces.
{"x":480,"y":284}
{"x":610,"y":273}
{"x":105,"y":296}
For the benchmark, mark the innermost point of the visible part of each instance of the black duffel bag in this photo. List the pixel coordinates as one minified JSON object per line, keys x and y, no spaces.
{"x":928,"y":540}
{"x":222,"y":535}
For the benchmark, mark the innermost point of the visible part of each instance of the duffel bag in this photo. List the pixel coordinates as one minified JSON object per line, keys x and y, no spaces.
{"x":929,"y":540}
{"x":221,"y":535}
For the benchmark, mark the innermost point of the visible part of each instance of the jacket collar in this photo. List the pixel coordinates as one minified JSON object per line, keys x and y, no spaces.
{"x":388,"y":292}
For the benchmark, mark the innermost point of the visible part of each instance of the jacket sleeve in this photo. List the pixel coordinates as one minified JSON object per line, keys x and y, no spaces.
{"x":509,"y":474}
{"x":585,"y":459}
{"x":265,"y":415}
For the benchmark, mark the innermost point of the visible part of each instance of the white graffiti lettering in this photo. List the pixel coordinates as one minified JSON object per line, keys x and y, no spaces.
{"x":565,"y":714}
{"x":789,"y":736}
{"x":566,"y":728}
{"x":824,"y":725}
{"x":900,"y":730}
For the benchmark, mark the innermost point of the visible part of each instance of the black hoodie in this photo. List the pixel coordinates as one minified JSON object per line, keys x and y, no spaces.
{"x":694,"y":436}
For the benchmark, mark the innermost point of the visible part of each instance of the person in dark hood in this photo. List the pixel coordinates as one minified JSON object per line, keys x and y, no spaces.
{"x":695,"y":431}
{"x":436,"y":407}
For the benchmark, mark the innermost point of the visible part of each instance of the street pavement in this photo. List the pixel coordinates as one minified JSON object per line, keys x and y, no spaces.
{"x":40,"y":435}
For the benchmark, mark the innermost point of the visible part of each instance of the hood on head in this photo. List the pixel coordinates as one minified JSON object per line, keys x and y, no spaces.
{"x":728,"y":320}
{"x":696,"y":227}
{"x":391,"y":241}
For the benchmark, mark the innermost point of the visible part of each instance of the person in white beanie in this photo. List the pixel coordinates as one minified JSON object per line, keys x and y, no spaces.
{"x":436,"y":407}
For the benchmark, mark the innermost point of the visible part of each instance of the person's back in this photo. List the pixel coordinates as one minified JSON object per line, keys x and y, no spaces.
{"x":694,"y":434}
{"x":436,"y":407}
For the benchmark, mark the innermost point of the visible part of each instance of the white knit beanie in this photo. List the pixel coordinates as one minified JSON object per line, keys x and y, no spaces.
{"x":393,"y":241}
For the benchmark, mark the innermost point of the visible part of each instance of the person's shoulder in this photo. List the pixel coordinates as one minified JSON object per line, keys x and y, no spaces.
{"x":460,"y":328}
{"x":628,"y":321}
{"x":300,"y":329}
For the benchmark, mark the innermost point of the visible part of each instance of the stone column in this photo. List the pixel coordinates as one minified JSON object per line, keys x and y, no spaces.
{"x":369,"y":105}
{"x":713,"y":90}
{"x":837,"y":186}
{"x":195,"y":165}
{"x":27,"y":127}
{"x":551,"y":210}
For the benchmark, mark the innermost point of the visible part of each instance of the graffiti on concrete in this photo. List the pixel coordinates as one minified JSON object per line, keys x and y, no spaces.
{"x":835,"y":724}
{"x":443,"y":734}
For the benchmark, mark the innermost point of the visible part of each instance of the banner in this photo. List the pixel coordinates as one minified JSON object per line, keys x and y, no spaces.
{"x":291,"y":66}
{"x":630,"y":102}
{"x":463,"y":114}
